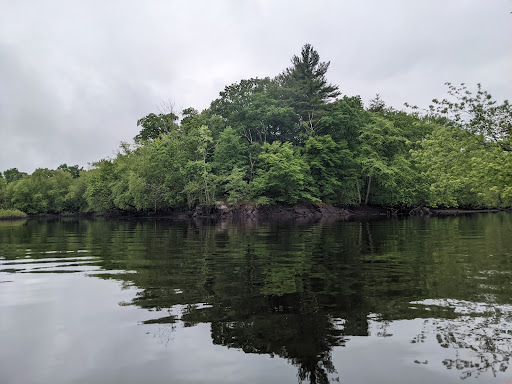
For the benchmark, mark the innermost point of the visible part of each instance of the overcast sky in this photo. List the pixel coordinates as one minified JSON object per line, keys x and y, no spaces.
{"x":75,"y":76}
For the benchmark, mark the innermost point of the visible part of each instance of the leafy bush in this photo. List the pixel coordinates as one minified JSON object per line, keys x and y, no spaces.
{"x":11,"y":214}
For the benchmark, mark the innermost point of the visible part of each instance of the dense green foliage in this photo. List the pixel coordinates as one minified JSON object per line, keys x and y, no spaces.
{"x":291,"y":139}
{"x":11,"y":214}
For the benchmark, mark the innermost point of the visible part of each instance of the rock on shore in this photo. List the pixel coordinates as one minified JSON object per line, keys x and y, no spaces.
{"x":251,"y":211}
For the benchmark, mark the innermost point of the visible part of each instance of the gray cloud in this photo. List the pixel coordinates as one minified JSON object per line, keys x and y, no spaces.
{"x":75,"y":76}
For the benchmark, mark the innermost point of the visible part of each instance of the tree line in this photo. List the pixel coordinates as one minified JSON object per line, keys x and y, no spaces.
{"x":288,"y":139}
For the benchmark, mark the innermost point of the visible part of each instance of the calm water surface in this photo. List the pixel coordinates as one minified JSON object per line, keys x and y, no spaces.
{"x":391,"y":301}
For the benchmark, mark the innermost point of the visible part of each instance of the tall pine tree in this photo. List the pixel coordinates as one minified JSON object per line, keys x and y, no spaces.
{"x":304,"y":87}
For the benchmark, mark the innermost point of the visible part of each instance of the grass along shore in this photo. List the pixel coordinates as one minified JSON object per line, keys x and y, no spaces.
{"x":12,"y":214}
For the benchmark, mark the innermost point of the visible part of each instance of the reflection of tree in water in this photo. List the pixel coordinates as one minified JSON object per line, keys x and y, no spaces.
{"x":166,"y":329}
{"x":481,"y":337}
{"x":278,"y":290}
{"x":287,"y":326}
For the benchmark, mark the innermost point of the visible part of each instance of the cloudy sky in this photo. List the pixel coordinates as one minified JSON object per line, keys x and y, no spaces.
{"x":75,"y":76}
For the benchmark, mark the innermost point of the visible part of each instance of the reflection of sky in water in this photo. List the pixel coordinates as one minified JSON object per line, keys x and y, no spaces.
{"x":70,"y":329}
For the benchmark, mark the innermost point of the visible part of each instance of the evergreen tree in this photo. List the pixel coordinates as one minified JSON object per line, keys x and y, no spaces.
{"x":304,"y":87}
{"x":377,"y":104}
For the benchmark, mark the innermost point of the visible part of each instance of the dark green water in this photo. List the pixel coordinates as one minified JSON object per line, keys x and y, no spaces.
{"x":391,"y":301}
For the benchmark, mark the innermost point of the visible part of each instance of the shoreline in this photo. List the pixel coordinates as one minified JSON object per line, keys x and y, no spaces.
{"x":242,"y":212}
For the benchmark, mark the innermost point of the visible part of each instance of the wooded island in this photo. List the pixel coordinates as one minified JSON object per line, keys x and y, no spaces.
{"x":290,"y":139}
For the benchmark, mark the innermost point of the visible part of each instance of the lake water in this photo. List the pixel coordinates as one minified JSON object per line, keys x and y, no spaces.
{"x":421,"y":300}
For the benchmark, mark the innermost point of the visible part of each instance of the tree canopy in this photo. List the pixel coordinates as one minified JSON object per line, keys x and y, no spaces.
{"x":288,"y":139}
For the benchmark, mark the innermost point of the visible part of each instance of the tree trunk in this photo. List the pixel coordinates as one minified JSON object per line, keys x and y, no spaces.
{"x":368,"y":190}
{"x":358,"y":192}
{"x":205,"y":177}
{"x":251,"y":167}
